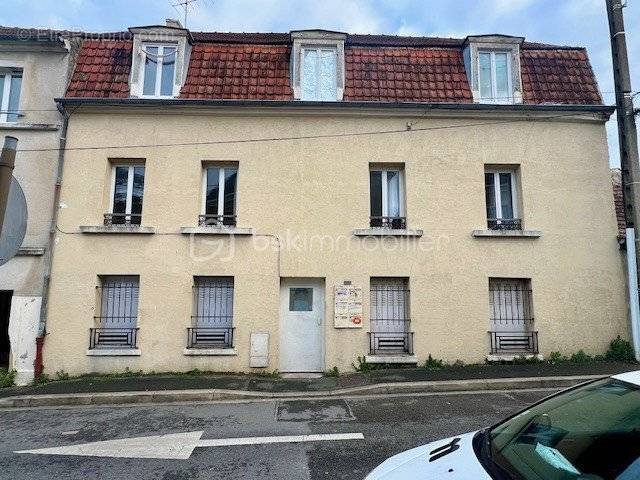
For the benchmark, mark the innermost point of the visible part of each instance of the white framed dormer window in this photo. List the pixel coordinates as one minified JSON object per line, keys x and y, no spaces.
{"x":160,"y":59}
{"x":386,"y":195}
{"x":219,"y":184}
{"x":501,"y":195}
{"x":317,"y":65}
{"x":495,"y":76}
{"x":492,"y":63}
{"x":127,"y":190}
{"x":10,"y":85}
{"x":318,"y":73}
{"x":158,"y":70}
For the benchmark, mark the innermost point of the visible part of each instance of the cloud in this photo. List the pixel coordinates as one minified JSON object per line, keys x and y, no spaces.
{"x":410,"y":31}
{"x":508,"y":7}
{"x":354,"y":16}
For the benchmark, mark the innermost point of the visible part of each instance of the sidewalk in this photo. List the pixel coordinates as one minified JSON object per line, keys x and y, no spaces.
{"x":205,"y":387}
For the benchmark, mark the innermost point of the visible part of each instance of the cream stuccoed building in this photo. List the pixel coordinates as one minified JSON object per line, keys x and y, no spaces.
{"x":305,"y":200}
{"x":35,"y":66}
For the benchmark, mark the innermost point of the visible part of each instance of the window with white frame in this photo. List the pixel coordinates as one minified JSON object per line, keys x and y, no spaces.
{"x":219,"y":195}
{"x":387,"y":198}
{"x":495,"y":77}
{"x":159,"y":70}
{"x":127,"y":190}
{"x":10,"y":85}
{"x":318,"y":75}
{"x":502,"y":201}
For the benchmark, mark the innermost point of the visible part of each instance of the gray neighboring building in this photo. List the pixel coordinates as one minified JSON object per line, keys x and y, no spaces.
{"x":34,"y":69}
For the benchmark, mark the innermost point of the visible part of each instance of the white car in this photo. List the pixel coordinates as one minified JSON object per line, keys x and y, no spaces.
{"x":589,"y":432}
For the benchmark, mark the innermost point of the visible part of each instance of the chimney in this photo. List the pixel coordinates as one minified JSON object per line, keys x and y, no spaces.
{"x":173,"y":23}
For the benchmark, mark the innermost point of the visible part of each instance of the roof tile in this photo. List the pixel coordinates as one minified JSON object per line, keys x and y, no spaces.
{"x":102,"y":70}
{"x":396,"y":69}
{"x":558,"y":76}
{"x":238,"y":72}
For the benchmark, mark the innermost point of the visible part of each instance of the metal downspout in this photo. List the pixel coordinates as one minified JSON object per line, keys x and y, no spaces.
{"x":634,"y":303}
{"x":42,"y":328}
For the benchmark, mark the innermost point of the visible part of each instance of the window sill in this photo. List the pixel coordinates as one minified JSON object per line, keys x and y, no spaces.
{"x":210,"y":352}
{"x":114,"y":352}
{"x":507,"y":233}
{"x":216,"y":230}
{"x":391,"y":358}
{"x":108,"y":229}
{"x":510,"y":357}
{"x":386,"y":232}
{"x":47,"y":127}
{"x":30,"y":251}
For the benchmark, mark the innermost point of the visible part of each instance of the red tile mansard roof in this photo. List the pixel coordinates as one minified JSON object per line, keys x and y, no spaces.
{"x":378,"y":68}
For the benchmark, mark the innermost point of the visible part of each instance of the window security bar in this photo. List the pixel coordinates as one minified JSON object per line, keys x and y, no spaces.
{"x":390,"y":343}
{"x":514,"y":342}
{"x":510,"y":305}
{"x":113,"y":338}
{"x":122,"y":219}
{"x":395,"y":223}
{"x":210,"y":219}
{"x":202,"y":337}
{"x":504,"y":223}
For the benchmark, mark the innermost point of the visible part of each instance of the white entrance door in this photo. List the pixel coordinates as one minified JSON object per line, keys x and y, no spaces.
{"x":301,"y":325}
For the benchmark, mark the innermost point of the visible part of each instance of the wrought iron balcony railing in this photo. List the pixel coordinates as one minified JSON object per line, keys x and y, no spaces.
{"x":122,"y":219}
{"x":391,"y":343}
{"x":514,"y":342}
{"x":113,"y":338}
{"x":210,"y":220}
{"x":504,"y":223}
{"x":395,"y":223}
{"x":205,"y":337}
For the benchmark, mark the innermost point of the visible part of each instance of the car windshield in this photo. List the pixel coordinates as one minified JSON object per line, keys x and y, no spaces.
{"x":589,"y":433}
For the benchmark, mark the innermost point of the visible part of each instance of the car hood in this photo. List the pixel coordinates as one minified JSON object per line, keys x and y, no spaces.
{"x":452,"y":459}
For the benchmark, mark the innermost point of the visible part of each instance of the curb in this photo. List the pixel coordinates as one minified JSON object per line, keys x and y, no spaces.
{"x":216,"y":394}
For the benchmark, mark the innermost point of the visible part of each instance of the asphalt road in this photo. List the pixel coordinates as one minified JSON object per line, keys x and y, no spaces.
{"x":389,"y":425}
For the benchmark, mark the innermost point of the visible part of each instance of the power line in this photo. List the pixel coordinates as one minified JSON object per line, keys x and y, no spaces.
{"x":407,"y":129}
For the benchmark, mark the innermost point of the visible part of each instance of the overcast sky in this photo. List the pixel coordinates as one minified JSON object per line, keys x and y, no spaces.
{"x":565,"y":22}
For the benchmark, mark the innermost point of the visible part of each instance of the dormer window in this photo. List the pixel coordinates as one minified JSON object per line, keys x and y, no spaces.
{"x":492,"y":63}
{"x":160,"y":60}
{"x":318,"y":73}
{"x":317,"y":65}
{"x":494,"y":77}
{"x":159,"y":70}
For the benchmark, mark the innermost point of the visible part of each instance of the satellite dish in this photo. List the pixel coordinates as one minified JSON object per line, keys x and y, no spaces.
{"x":15,"y":223}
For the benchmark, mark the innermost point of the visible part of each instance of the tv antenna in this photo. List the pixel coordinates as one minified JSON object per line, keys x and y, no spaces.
{"x":184,"y":4}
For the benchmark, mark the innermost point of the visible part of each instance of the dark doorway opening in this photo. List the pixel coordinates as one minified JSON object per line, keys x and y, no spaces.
{"x":5,"y":309}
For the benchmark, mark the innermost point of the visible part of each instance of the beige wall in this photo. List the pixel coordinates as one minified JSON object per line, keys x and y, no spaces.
{"x":44,"y":77}
{"x":45,"y":71}
{"x":319,"y":189}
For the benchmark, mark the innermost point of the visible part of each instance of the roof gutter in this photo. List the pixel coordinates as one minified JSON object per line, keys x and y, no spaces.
{"x":469,"y":107}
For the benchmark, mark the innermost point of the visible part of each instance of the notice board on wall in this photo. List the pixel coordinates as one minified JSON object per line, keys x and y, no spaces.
{"x":348,"y":306}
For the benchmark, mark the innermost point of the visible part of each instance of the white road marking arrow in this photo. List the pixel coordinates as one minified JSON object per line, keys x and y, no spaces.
{"x":176,"y":446}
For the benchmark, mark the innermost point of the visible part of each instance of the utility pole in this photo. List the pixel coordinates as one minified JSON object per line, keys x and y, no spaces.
{"x":7,"y":162}
{"x":629,"y":162}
